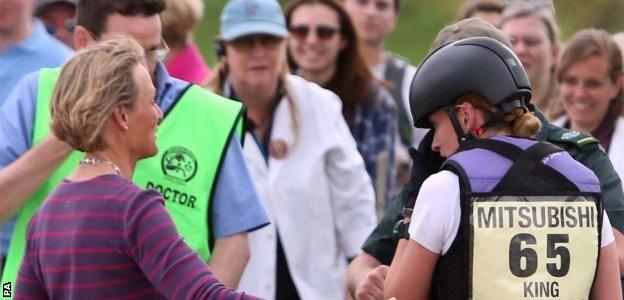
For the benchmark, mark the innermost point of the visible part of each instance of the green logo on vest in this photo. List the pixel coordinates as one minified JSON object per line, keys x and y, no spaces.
{"x":180,"y":163}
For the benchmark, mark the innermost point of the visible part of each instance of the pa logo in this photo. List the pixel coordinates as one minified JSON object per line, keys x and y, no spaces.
{"x":180,"y":163}
{"x":6,"y":289}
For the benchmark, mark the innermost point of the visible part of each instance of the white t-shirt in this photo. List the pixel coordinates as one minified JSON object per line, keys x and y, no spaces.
{"x":437,"y":214}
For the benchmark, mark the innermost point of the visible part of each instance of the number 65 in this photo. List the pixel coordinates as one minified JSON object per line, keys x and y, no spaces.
{"x":516,"y":253}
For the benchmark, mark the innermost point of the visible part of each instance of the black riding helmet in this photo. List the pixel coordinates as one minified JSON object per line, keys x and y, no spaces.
{"x":477,"y":65}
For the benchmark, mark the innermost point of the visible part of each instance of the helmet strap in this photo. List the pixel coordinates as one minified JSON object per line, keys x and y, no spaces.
{"x":461,"y":136}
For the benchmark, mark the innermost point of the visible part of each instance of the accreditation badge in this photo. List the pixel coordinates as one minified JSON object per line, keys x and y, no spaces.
{"x":534,"y":247}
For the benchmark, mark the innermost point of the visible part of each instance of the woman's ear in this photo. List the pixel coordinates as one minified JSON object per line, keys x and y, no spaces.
{"x":120,"y":117}
{"x":466,"y":115}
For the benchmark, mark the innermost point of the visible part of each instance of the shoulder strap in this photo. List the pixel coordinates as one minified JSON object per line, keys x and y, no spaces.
{"x":177,"y":99}
{"x":507,"y":150}
{"x":529,"y":164}
{"x":395,"y":71}
{"x":47,"y":81}
{"x":190,"y":88}
{"x":525,"y":163}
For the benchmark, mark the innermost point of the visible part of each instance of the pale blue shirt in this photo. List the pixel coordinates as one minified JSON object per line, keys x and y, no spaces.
{"x":38,"y":50}
{"x":236,"y":207}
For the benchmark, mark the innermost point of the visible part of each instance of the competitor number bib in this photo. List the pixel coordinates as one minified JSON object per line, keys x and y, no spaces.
{"x":534,"y":247}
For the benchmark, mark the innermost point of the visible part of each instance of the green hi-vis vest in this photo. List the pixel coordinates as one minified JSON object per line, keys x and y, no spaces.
{"x":192,"y":141}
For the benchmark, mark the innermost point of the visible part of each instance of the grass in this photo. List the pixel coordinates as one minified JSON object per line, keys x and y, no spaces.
{"x":420,"y":20}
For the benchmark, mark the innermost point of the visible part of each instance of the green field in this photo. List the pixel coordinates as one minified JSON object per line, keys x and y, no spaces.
{"x":420,"y":20}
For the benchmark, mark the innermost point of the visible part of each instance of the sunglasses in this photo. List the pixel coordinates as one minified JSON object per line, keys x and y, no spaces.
{"x":323,"y":32}
{"x":246,"y":43}
{"x":69,"y":25}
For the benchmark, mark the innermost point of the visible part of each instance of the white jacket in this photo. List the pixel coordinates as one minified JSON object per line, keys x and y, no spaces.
{"x":319,"y":197}
{"x":616,"y":149}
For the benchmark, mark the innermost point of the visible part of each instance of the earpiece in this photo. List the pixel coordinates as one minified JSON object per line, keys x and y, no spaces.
{"x":219,"y":48}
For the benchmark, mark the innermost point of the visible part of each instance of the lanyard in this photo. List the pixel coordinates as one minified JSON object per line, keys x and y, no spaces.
{"x":263,"y":141}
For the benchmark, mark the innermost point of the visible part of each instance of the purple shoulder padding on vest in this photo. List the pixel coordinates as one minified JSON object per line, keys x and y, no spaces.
{"x":485,"y":169}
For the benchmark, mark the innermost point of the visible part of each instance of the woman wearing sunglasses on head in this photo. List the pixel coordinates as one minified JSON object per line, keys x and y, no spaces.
{"x":302,"y":157}
{"x":324,"y":49}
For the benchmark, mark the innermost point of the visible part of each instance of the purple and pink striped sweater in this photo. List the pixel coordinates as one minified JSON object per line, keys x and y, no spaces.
{"x":107,"y":238}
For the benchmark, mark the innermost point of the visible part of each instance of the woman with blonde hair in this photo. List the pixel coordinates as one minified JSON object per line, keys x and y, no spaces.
{"x":303,"y":159}
{"x":507,"y":215}
{"x":99,"y":235}
{"x":179,"y":22}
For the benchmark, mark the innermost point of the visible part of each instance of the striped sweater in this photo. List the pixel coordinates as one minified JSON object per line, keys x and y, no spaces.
{"x":107,"y":238}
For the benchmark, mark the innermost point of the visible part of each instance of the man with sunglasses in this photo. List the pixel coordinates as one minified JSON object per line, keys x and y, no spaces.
{"x":200,"y":169}
{"x":58,"y":17}
{"x":375,"y":20}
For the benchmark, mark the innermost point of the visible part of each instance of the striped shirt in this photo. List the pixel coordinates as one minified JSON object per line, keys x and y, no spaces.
{"x":107,"y":238}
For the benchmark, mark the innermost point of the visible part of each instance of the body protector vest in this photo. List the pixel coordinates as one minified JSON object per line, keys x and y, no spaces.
{"x":531,"y":218}
{"x":395,"y":71}
{"x":192,"y":140}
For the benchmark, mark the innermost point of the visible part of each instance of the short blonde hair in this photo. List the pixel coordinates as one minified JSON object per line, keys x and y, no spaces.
{"x":179,"y":21}
{"x":91,"y":85}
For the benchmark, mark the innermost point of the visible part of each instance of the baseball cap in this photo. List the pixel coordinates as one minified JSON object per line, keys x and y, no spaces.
{"x":43,"y":4}
{"x":245,"y":17}
{"x":471,"y":27}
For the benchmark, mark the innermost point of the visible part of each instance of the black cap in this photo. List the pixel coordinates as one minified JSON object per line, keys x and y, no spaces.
{"x":479,"y":65}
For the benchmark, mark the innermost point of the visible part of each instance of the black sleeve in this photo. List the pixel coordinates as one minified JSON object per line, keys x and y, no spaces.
{"x":380,"y":243}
